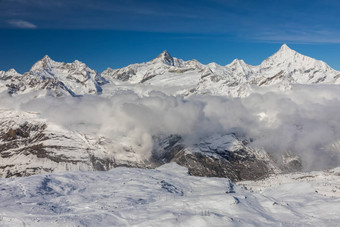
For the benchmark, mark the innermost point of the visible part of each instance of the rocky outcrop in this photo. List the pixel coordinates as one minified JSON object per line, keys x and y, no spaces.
{"x":219,"y":156}
{"x":31,"y":145}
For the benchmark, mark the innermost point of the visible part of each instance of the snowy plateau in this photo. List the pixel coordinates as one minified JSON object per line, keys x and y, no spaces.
{"x":171,"y":143}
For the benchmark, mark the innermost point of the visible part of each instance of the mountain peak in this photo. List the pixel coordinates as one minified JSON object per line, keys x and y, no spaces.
{"x":12,"y":71}
{"x":285,"y":49}
{"x":166,"y":58}
{"x":283,"y":53}
{"x":46,"y":57}
{"x":42,"y":64}
{"x":237,"y":61}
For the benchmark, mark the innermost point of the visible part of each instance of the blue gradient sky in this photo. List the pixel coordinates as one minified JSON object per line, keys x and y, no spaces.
{"x":116,"y":33}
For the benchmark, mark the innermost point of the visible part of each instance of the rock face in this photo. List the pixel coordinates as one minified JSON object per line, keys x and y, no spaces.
{"x":31,"y":145}
{"x":226,"y":155}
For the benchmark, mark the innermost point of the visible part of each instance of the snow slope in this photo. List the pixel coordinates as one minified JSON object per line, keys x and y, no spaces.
{"x":166,"y":196}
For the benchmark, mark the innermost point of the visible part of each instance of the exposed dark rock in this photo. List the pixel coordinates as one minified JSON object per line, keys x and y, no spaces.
{"x":240,"y":164}
{"x":217,"y":156}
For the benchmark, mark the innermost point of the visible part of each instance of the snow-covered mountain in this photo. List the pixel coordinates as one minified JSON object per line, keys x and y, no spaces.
{"x":29,"y":144}
{"x":281,"y":70}
{"x":76,"y":76}
{"x":172,"y":76}
{"x":49,"y":77}
{"x":288,"y":65}
{"x":238,"y":79}
{"x":141,"y":73}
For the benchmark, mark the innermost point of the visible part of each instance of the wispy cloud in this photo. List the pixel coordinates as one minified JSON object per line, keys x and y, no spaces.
{"x":291,"y":21}
{"x":299,"y":36}
{"x":22,"y":24}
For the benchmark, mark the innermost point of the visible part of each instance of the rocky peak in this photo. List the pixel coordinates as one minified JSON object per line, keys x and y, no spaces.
{"x":46,"y":58}
{"x":239,"y":68}
{"x":12,"y":72}
{"x":77,"y":62}
{"x":44,"y":64}
{"x":166,"y":58}
{"x":237,"y":63}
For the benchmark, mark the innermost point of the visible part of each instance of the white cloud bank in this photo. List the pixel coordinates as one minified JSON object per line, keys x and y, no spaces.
{"x":305,"y":121}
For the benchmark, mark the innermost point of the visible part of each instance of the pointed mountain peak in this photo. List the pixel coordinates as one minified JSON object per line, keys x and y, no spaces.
{"x":42,"y":64}
{"x":166,"y":58}
{"x":46,"y":57}
{"x":237,"y":61}
{"x":77,"y":62}
{"x":164,"y":54}
{"x":282,"y":54}
{"x":285,"y":49}
{"x":234,"y":61}
{"x":12,"y":71}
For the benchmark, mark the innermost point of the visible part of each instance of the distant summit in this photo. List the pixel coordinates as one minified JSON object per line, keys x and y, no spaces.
{"x":166,"y":58}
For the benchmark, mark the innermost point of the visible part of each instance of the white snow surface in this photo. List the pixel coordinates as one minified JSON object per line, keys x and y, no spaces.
{"x":166,"y":196}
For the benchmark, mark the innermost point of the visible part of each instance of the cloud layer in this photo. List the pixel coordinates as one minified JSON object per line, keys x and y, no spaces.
{"x":305,"y":121}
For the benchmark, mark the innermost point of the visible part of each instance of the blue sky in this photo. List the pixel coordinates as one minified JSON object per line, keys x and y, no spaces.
{"x":105,"y":33}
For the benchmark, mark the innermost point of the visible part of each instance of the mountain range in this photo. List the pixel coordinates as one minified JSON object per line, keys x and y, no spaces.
{"x":170,"y":75}
{"x":31,"y":144}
